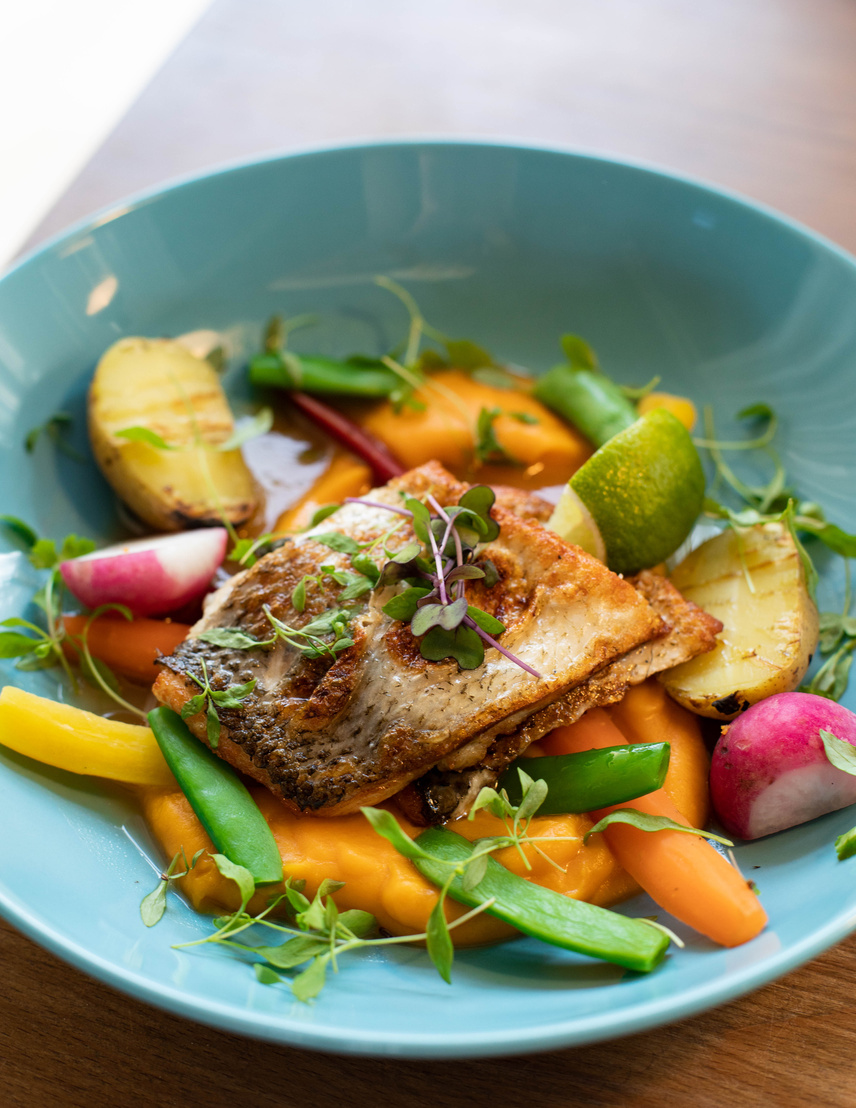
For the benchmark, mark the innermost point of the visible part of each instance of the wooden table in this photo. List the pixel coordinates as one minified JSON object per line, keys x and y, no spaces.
{"x":757,"y":95}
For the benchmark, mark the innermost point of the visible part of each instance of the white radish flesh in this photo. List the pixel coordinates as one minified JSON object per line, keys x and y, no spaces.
{"x":151,"y":576}
{"x":770,"y":770}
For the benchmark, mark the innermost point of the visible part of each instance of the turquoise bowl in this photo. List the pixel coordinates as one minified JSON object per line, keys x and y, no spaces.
{"x":727,"y":302}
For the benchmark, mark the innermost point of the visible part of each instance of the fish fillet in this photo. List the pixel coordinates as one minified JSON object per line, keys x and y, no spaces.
{"x":327,"y":736}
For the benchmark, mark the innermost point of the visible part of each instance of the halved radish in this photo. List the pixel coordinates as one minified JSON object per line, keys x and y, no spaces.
{"x":770,"y":771}
{"x":150,"y":576}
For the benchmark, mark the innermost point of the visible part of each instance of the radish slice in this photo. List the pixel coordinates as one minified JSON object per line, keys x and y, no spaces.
{"x":150,"y":576}
{"x":770,"y":771}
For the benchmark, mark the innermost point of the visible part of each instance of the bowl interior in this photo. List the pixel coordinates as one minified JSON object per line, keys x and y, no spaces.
{"x":511,"y":247}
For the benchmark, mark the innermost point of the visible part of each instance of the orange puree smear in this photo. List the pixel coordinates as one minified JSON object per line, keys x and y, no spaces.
{"x":379,"y":880}
{"x":547,"y":450}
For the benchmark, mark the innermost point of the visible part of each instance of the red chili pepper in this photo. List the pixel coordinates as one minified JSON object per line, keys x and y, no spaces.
{"x":350,"y":435}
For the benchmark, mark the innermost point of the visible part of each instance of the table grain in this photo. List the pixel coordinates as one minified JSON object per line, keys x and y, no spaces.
{"x":755,"y":95}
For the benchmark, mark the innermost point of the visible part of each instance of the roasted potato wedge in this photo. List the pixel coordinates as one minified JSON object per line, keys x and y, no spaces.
{"x":753,"y":581}
{"x":159,"y":385}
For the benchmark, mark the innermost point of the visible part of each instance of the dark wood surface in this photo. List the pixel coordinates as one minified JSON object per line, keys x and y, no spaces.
{"x":757,"y":95}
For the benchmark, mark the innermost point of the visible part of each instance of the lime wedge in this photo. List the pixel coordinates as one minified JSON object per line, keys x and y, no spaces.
{"x":644,"y":490}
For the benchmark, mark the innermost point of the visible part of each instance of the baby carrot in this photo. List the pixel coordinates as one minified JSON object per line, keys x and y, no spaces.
{"x":684,"y":874}
{"x":129,"y":647}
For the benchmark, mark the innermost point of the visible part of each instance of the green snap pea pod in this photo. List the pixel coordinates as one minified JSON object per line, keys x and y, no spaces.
{"x":593,"y":778}
{"x":323,"y":375}
{"x":543,"y":913}
{"x":219,"y":798}
{"x":588,"y":399}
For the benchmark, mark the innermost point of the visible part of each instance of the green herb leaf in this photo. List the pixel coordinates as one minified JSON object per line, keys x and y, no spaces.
{"x":644,"y":822}
{"x":365,"y":564}
{"x":339,"y":542}
{"x":193,"y":706}
{"x":481,"y":499}
{"x":464,"y":354}
{"x":578,"y":352}
{"x":265,"y":975}
{"x":463,"y":644}
{"x":15,"y":645}
{"x":293,"y":952}
{"x":420,"y":523}
{"x":845,"y":845}
{"x":259,"y":425}
{"x":439,"y":942}
{"x":153,"y":906}
{"x":497,"y":803}
{"x":323,"y":513}
{"x":298,"y":595}
{"x":231,"y":638}
{"x":475,"y":871}
{"x":486,"y":621}
{"x":534,"y":795}
{"x":525,"y":417}
{"x":840,"y":753}
{"x":488,"y":448}
{"x":21,"y":530}
{"x":358,"y":586}
{"x":241,"y":876}
{"x":144,"y":434}
{"x":357,"y":922}
{"x":310,"y":983}
{"x":403,"y":604}
{"x":233,"y":696}
{"x":212,"y":726}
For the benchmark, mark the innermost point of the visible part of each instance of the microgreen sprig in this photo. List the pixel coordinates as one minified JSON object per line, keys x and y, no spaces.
{"x":209,"y":700}
{"x":317,"y":932}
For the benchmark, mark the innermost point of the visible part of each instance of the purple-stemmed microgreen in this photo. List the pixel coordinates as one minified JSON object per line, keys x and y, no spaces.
{"x":435,"y":570}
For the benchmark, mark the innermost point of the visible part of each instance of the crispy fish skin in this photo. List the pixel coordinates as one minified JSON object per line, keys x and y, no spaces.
{"x":449,"y":789}
{"x":328,"y":736}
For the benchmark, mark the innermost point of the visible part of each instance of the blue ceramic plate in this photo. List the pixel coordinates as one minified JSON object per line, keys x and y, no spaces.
{"x":728,"y":303}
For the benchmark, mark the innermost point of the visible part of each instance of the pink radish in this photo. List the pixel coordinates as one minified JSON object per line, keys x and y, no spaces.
{"x":150,"y":576}
{"x":770,"y":771}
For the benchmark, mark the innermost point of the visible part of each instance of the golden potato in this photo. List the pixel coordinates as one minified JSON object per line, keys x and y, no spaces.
{"x":752,"y":581}
{"x":160,"y":385}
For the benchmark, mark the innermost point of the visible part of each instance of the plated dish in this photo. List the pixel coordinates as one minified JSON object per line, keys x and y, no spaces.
{"x":358,"y":309}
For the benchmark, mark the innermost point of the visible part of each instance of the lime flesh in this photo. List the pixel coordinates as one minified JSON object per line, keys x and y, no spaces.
{"x":644,"y":489}
{"x":572,"y":521}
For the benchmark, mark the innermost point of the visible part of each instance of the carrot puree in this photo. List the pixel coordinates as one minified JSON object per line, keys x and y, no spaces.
{"x":379,"y":880}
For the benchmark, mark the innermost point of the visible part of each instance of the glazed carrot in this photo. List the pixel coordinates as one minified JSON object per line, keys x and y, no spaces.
{"x":682,"y":873}
{"x":128,"y":647}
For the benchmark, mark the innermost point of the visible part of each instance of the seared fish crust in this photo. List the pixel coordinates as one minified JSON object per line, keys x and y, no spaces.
{"x":328,"y":736}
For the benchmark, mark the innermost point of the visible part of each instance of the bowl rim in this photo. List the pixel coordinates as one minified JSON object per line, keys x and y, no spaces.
{"x":643,"y":1015}
{"x":123,"y":205}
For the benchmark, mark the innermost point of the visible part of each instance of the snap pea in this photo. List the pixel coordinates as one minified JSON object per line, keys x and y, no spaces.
{"x":542,"y":913}
{"x":588,"y":399}
{"x":219,"y":798}
{"x":323,"y":375}
{"x":593,"y":778}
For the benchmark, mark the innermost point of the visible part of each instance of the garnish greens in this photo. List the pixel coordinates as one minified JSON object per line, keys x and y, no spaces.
{"x":54,"y":429}
{"x":209,"y":700}
{"x":488,"y":447}
{"x":317,"y":933}
{"x":645,"y":822}
{"x":842,"y":755}
{"x":777,"y":502}
{"x":153,"y":905}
